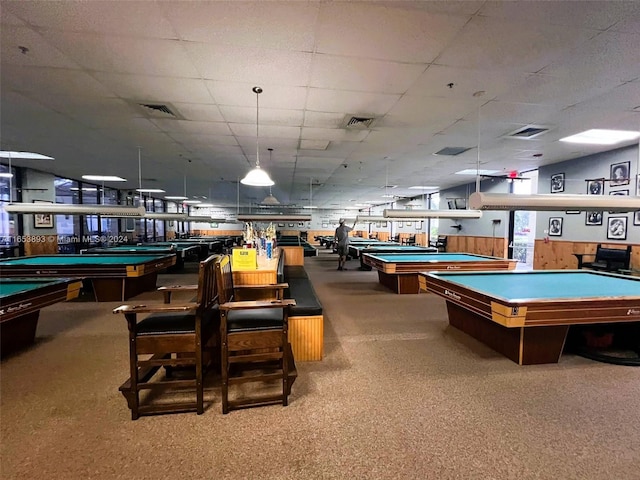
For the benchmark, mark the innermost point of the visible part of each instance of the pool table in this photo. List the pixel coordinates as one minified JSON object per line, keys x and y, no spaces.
{"x":182,"y":251}
{"x":114,"y":277}
{"x":205,"y":247}
{"x":21,"y":300}
{"x":357,"y":251}
{"x":399,"y":271}
{"x":526,"y":315}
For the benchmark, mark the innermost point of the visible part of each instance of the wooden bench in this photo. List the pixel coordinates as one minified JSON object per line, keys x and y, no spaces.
{"x":606,"y":259}
{"x":172,"y":336}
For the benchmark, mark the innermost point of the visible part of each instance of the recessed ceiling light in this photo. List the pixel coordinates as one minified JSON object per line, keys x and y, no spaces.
{"x":149,"y":190}
{"x":24,"y":155}
{"x":474,"y":171}
{"x":601,"y":137}
{"x":104,"y":178}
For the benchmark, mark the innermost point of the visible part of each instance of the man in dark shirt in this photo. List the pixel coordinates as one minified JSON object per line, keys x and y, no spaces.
{"x":341,"y":238}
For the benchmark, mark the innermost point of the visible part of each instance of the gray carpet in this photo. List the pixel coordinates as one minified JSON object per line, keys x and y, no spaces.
{"x":399,"y":395}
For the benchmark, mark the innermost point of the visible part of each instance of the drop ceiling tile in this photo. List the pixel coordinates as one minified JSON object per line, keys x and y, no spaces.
{"x":363,"y":75}
{"x":346,"y":29}
{"x":40,"y":52}
{"x":273,"y":96}
{"x":267,"y":116}
{"x":357,"y":103}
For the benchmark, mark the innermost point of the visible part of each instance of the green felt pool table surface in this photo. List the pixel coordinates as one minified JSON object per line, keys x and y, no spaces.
{"x":85,"y":259}
{"x":526,"y":315}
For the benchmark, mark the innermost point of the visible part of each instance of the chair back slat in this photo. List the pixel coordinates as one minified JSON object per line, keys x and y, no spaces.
{"x":207,"y":290}
{"x":224,"y":279}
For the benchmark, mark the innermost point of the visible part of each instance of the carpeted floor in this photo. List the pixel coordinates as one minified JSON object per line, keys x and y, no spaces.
{"x":399,"y":395}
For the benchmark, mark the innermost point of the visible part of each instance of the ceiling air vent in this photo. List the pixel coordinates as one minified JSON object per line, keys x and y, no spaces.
{"x":452,"y":151}
{"x":157,"y":110}
{"x":528,"y":132}
{"x":356,"y":122}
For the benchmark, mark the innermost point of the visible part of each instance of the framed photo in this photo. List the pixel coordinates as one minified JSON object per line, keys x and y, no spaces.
{"x":451,"y":204}
{"x":595,"y":186}
{"x":384,"y":224}
{"x":619,"y":174}
{"x":43,"y":220}
{"x":377,"y":224}
{"x":301,"y":224}
{"x":324,"y":225}
{"x":408,"y":224}
{"x":555,"y":226}
{"x":617,"y":228}
{"x":129,"y":224}
{"x":399,"y":224}
{"x":291,"y":225}
{"x":213,"y":225}
{"x":636,"y":217}
{"x":419,"y":225}
{"x":572,"y":212}
{"x":619,"y":192}
{"x":557,"y":183}
{"x":281,"y":224}
{"x":593,"y":218}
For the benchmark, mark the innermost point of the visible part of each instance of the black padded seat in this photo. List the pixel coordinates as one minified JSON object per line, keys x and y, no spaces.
{"x":294,"y":271}
{"x":174,"y":323}
{"x":254,"y":319}
{"x":307,"y":303}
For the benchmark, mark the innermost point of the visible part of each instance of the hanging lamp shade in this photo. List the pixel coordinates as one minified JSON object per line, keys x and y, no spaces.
{"x":257,"y":177}
{"x":270,"y":200}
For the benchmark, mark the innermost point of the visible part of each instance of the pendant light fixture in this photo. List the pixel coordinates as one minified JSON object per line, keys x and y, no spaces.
{"x":270,"y":199}
{"x":257,"y":177}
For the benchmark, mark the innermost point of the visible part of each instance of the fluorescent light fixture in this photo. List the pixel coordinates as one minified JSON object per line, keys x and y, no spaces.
{"x":388,"y":195}
{"x":474,"y":171}
{"x":104,"y":178}
{"x":413,"y":214}
{"x":601,"y":137}
{"x":149,"y":190}
{"x":423,"y":187}
{"x":310,"y":207}
{"x":6,"y":175}
{"x":84,"y":189}
{"x":23,"y":155}
{"x":553,"y":202}
{"x":175,"y":197}
{"x":257,"y":217}
{"x":71,"y":209}
{"x":205,"y":205}
{"x":192,"y":202}
{"x":181,"y":217}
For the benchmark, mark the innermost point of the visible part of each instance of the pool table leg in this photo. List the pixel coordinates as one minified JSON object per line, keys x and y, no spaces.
{"x":18,"y":333}
{"x":523,"y":345}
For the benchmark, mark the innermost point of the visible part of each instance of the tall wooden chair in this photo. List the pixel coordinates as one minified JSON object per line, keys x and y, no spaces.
{"x":254,"y":341}
{"x":172,"y":336}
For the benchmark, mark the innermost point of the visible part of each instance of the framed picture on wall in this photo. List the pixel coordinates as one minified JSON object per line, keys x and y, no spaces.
{"x":617,"y":228}
{"x":636,"y":218}
{"x":408,"y":224}
{"x":419,"y":225}
{"x":324,"y":225}
{"x":593,"y":218}
{"x":555,"y":226}
{"x":619,"y":174}
{"x":557,"y":183}
{"x":301,"y":224}
{"x":281,"y":224}
{"x":619,"y":192}
{"x":595,"y":186}
{"x":291,"y":225}
{"x":129,"y":224}
{"x":42,"y":220}
{"x":384,"y":224}
{"x":399,"y":224}
{"x":572,"y":212}
{"x":377,"y":224}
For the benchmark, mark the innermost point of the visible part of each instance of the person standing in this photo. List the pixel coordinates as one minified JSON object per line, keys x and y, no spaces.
{"x":341,"y":238}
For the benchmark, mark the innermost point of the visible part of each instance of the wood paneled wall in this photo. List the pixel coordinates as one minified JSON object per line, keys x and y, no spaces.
{"x":41,"y":245}
{"x":554,"y":255}
{"x":495,"y":247}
